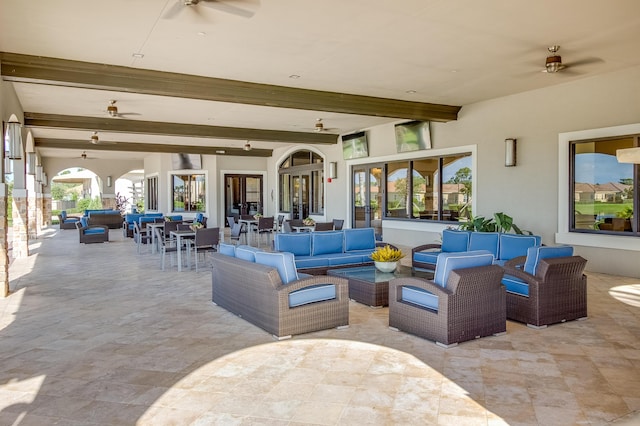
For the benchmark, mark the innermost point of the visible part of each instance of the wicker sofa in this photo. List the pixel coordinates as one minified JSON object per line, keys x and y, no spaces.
{"x":108,"y":217}
{"x":257,"y":293}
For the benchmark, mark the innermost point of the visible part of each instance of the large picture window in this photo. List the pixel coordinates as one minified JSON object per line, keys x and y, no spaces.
{"x":301,"y":184}
{"x":188,"y":193}
{"x":152,"y":193}
{"x":604,"y":192}
{"x":434,"y":188}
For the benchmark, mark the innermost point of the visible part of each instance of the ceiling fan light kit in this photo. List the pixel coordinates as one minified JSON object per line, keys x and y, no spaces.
{"x":247,"y":146}
{"x":112,"y":109}
{"x":554,"y":62}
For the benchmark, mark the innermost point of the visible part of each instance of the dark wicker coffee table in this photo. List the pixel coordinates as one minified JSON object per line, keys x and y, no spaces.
{"x":369,"y":286}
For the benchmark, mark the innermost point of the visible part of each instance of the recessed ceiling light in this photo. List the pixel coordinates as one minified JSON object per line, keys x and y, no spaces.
{"x":201,"y":33}
{"x":220,"y":151}
{"x":411,"y":92}
{"x":294,"y":76}
{"x":138,"y":55}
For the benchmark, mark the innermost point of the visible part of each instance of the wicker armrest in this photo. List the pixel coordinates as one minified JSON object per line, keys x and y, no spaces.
{"x":342,"y":284}
{"x":420,"y":283}
{"x":383,"y":244}
{"x":425,"y":247}
{"x":515,"y":263}
{"x":84,"y":228}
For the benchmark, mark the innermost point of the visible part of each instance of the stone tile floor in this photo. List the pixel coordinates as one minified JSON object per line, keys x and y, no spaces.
{"x":97,"y":334}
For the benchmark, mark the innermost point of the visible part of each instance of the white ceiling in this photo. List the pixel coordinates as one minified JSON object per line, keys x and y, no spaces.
{"x":435,"y":51}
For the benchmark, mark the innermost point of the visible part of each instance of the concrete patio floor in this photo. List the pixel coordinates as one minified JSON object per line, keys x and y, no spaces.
{"x":98,"y":334}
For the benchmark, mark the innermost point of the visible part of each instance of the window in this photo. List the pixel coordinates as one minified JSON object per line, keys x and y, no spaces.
{"x":604,"y":194}
{"x":188,"y":193}
{"x":301,"y":184}
{"x":152,"y":193}
{"x":433,"y":188}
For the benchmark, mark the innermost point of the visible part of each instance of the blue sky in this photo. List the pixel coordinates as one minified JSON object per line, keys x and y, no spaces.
{"x":601,"y":168}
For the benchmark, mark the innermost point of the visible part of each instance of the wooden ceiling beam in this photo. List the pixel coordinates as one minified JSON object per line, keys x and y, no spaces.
{"x":148,"y":147}
{"x":57,"y":121}
{"x":37,"y":69}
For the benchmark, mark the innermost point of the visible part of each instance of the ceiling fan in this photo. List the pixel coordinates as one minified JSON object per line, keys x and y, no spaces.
{"x":112,"y":110}
{"x":84,"y":156}
{"x":95,"y":140}
{"x":554,"y":63}
{"x":319,"y":127}
{"x":214,"y":4}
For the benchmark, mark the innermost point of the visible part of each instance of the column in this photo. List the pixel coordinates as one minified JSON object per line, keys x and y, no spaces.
{"x":47,"y":208}
{"x":4,"y":246}
{"x":20,"y":240}
{"x":32,"y":215}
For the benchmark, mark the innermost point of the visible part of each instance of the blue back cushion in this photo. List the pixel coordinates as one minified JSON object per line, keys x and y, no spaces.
{"x":453,"y":241}
{"x":298,"y":243}
{"x":534,"y":254}
{"x":63,"y":215}
{"x":447,"y":262}
{"x":359,"y":239}
{"x":284,"y":262}
{"x":515,"y":245}
{"x":132,"y":217}
{"x":198,"y":217}
{"x":246,"y":253}
{"x":484,"y":241}
{"x":326,"y":242}
{"x":227,"y":249}
{"x":84,"y":221}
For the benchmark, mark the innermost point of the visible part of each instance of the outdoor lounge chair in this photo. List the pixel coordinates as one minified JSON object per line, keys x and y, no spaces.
{"x":93,"y":233}
{"x":464,"y":301}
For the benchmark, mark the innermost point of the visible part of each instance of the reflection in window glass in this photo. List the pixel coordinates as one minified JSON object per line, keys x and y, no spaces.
{"x":425,"y":193}
{"x":456,"y":187}
{"x":188,"y":193}
{"x":285,"y":192}
{"x":317,"y":188}
{"x":603,"y":189}
{"x":397,"y":189}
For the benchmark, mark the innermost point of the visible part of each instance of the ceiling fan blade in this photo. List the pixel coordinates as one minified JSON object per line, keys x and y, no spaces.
{"x":225,"y":7}
{"x":585,"y":61}
{"x":174,"y":10}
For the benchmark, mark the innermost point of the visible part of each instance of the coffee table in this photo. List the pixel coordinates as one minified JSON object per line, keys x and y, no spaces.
{"x":369,"y":286}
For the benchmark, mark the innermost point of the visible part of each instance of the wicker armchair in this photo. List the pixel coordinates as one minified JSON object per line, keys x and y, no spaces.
{"x":93,"y":233}
{"x":556,"y":293}
{"x":471,"y":304}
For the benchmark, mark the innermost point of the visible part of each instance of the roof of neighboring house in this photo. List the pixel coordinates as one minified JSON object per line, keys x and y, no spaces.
{"x":601,"y":187}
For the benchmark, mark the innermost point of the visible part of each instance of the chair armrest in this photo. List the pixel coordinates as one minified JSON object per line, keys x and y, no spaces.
{"x":420,"y":283}
{"x":515,"y":263}
{"x":84,"y":228}
{"x":342,"y":285}
{"x":425,"y":247}
{"x":383,"y":244}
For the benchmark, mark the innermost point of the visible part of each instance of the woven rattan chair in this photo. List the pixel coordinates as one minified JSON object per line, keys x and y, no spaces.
{"x":557,"y":292}
{"x":165,"y":245}
{"x":205,"y":241}
{"x":265,"y":227}
{"x":324,"y":226}
{"x":93,"y":233}
{"x":338,"y":224}
{"x":468,"y":304}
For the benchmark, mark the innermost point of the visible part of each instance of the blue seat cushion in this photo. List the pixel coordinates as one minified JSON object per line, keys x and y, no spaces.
{"x":298,"y":243}
{"x":535,"y":254}
{"x":515,"y":285}
{"x":348,"y":259}
{"x":227,"y":249}
{"x":94,"y":231}
{"x":247,"y":253}
{"x":515,"y":245}
{"x":311,"y":294}
{"x":419,"y":297}
{"x":427,"y":256}
{"x":326,"y":242}
{"x":284,"y":262}
{"x":484,"y":241}
{"x":311,"y":261}
{"x":447,"y":262}
{"x":454,"y":240}
{"x":359,"y":239}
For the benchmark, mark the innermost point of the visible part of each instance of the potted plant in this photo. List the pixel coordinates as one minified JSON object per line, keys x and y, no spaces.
{"x":308,"y":221}
{"x":195,"y":226}
{"x":386,"y":258}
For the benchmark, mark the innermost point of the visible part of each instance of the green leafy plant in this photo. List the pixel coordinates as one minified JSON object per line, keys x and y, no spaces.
{"x":500,"y":222}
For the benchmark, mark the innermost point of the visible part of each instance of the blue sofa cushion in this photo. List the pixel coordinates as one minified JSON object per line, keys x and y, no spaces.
{"x":515,"y":245}
{"x":419,"y":297}
{"x":284,"y":262}
{"x":484,"y":241}
{"x":174,"y":218}
{"x":247,"y":253}
{"x":311,"y":294}
{"x":454,"y":240}
{"x":359,"y":239}
{"x":515,"y":285}
{"x":63,"y":215}
{"x":447,"y":262}
{"x":326,"y":242}
{"x":94,"y":231}
{"x":534,"y":254}
{"x":84,"y":221}
{"x":227,"y":249}
{"x":298,"y":243}
{"x":311,"y":261}
{"x":427,"y":256}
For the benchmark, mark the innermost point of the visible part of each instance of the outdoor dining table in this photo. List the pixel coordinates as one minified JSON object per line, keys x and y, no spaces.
{"x":179,"y":235}
{"x":304,"y":228}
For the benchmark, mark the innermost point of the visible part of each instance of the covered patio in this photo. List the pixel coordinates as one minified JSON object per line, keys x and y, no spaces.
{"x":114,"y":340}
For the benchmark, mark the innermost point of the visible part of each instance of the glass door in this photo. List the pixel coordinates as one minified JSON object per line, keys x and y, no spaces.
{"x":367,"y":197}
{"x":243,"y":195}
{"x":300,"y":196}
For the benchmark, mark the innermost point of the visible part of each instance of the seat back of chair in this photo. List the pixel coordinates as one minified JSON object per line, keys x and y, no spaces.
{"x":338,"y":224}
{"x":447,"y":262}
{"x":170,"y":226}
{"x":286,"y":227}
{"x":231,"y":221}
{"x":265,"y":224}
{"x":207,"y":237}
{"x":535,"y":254}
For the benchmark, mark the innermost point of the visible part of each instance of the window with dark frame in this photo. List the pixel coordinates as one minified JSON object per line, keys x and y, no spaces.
{"x":301,"y":163}
{"x":152,"y":193}
{"x":603,"y":192}
{"x":188,"y":193}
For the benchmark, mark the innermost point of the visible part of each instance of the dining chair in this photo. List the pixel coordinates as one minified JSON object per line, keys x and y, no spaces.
{"x":140,"y":235}
{"x":338,"y":224}
{"x":286,"y":227}
{"x":279,"y":223}
{"x":206,"y":240}
{"x":236,"y":233}
{"x":165,"y":246}
{"x":265,"y":227}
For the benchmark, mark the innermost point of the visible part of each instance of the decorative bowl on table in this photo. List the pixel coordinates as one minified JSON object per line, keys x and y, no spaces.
{"x":308,"y":222}
{"x":386,"y":266}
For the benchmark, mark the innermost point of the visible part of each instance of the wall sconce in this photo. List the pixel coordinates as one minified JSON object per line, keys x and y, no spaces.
{"x":31,"y":163}
{"x":8,"y":164}
{"x":109,"y":182}
{"x":13,"y":138}
{"x":45,"y":181}
{"x":333,"y":169}
{"x":509,"y":152}
{"x":39,"y":173}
